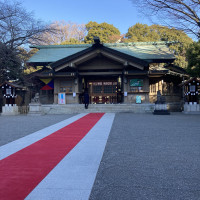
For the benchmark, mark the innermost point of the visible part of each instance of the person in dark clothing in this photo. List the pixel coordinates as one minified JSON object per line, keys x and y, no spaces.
{"x":86,"y":99}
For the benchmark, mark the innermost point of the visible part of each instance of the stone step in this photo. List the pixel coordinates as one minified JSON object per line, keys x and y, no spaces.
{"x":80,"y":108}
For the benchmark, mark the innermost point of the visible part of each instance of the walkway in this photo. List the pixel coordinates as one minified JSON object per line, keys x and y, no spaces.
{"x":121,"y":156}
{"x":49,"y":164}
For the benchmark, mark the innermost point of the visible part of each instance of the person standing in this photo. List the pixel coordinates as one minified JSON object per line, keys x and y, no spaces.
{"x":86,"y":99}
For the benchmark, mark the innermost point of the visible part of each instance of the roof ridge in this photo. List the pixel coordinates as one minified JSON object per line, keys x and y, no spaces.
{"x":61,"y":46}
{"x":105,"y":44}
{"x":139,"y":43}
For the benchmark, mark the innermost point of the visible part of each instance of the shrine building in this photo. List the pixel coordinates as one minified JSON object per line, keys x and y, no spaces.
{"x":125,"y":73}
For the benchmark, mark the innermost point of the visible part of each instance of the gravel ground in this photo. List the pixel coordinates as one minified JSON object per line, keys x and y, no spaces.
{"x":15,"y":127}
{"x":150,"y":157}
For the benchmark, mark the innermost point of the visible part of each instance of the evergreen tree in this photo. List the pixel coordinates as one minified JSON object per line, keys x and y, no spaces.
{"x":104,"y":31}
{"x":141,"y":33}
{"x":154,"y":33}
{"x":10,"y":64}
{"x":193,"y":55}
{"x":71,"y":41}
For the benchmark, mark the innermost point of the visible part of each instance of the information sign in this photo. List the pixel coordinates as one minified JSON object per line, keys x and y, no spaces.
{"x":138,"y":99}
{"x":61,"y":98}
{"x":136,"y":82}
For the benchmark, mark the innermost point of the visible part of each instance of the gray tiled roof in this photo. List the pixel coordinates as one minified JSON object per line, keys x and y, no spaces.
{"x":54,"y":53}
{"x":143,"y":50}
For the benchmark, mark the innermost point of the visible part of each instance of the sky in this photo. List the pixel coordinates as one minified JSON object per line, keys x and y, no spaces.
{"x":121,"y":13}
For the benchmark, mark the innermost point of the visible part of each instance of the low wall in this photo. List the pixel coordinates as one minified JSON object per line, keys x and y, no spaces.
{"x":191,"y":108}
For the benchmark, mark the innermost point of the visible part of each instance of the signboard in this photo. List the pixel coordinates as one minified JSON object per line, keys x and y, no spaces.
{"x":136,"y":82}
{"x":138,"y":99}
{"x":61,"y":98}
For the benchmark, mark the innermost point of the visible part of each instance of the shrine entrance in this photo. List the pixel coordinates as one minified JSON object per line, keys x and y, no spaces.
{"x":103,"y":92}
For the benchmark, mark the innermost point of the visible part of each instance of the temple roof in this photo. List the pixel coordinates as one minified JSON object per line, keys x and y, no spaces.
{"x":14,"y":85}
{"x":148,"y":51}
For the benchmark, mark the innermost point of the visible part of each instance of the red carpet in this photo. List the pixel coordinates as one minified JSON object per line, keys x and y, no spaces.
{"x":21,"y":172}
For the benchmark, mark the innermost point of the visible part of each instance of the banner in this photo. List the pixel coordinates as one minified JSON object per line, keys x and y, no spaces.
{"x":49,"y":84}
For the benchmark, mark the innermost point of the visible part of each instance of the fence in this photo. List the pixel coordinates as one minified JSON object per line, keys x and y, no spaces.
{"x":23,"y":109}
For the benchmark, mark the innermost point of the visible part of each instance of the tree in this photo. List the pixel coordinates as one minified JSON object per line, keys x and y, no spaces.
{"x":141,"y":33}
{"x":24,"y":56}
{"x":181,"y":14}
{"x":179,"y":48}
{"x":104,"y":31}
{"x":64,"y":32}
{"x":145,"y":33}
{"x":10,"y":64}
{"x":71,"y":41}
{"x":193,"y":56}
{"x":17,"y":26}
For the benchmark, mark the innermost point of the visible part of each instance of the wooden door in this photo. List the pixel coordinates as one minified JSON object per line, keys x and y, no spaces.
{"x":103,"y":92}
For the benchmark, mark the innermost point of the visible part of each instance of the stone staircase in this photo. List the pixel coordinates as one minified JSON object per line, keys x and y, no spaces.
{"x":109,"y":108}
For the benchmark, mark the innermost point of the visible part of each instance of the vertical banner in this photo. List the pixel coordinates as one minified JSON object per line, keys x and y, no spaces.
{"x":61,"y":98}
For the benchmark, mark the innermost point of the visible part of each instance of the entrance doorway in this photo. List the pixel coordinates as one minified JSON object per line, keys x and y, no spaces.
{"x":102,"y":92}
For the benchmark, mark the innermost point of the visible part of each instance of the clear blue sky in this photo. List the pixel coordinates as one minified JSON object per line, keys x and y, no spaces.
{"x":121,"y":13}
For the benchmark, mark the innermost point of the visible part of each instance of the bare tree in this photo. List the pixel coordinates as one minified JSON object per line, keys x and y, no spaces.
{"x":17,"y":26}
{"x":181,"y":14}
{"x":63,"y":31}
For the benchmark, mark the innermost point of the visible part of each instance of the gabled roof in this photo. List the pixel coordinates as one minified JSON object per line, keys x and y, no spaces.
{"x":147,"y":51}
{"x":95,"y":50}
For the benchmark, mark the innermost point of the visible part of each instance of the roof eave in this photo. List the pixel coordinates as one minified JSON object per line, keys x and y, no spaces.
{"x":160,"y":60}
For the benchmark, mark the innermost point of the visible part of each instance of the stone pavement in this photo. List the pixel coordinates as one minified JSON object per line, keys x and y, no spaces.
{"x":146,"y":157}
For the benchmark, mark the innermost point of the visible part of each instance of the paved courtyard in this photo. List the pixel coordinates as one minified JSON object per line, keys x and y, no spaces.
{"x":146,"y":156}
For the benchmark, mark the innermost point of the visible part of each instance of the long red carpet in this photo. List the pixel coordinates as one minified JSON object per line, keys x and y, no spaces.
{"x":21,"y":172}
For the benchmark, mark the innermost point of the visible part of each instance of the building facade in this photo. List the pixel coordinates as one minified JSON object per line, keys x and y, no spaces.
{"x":111,"y":73}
